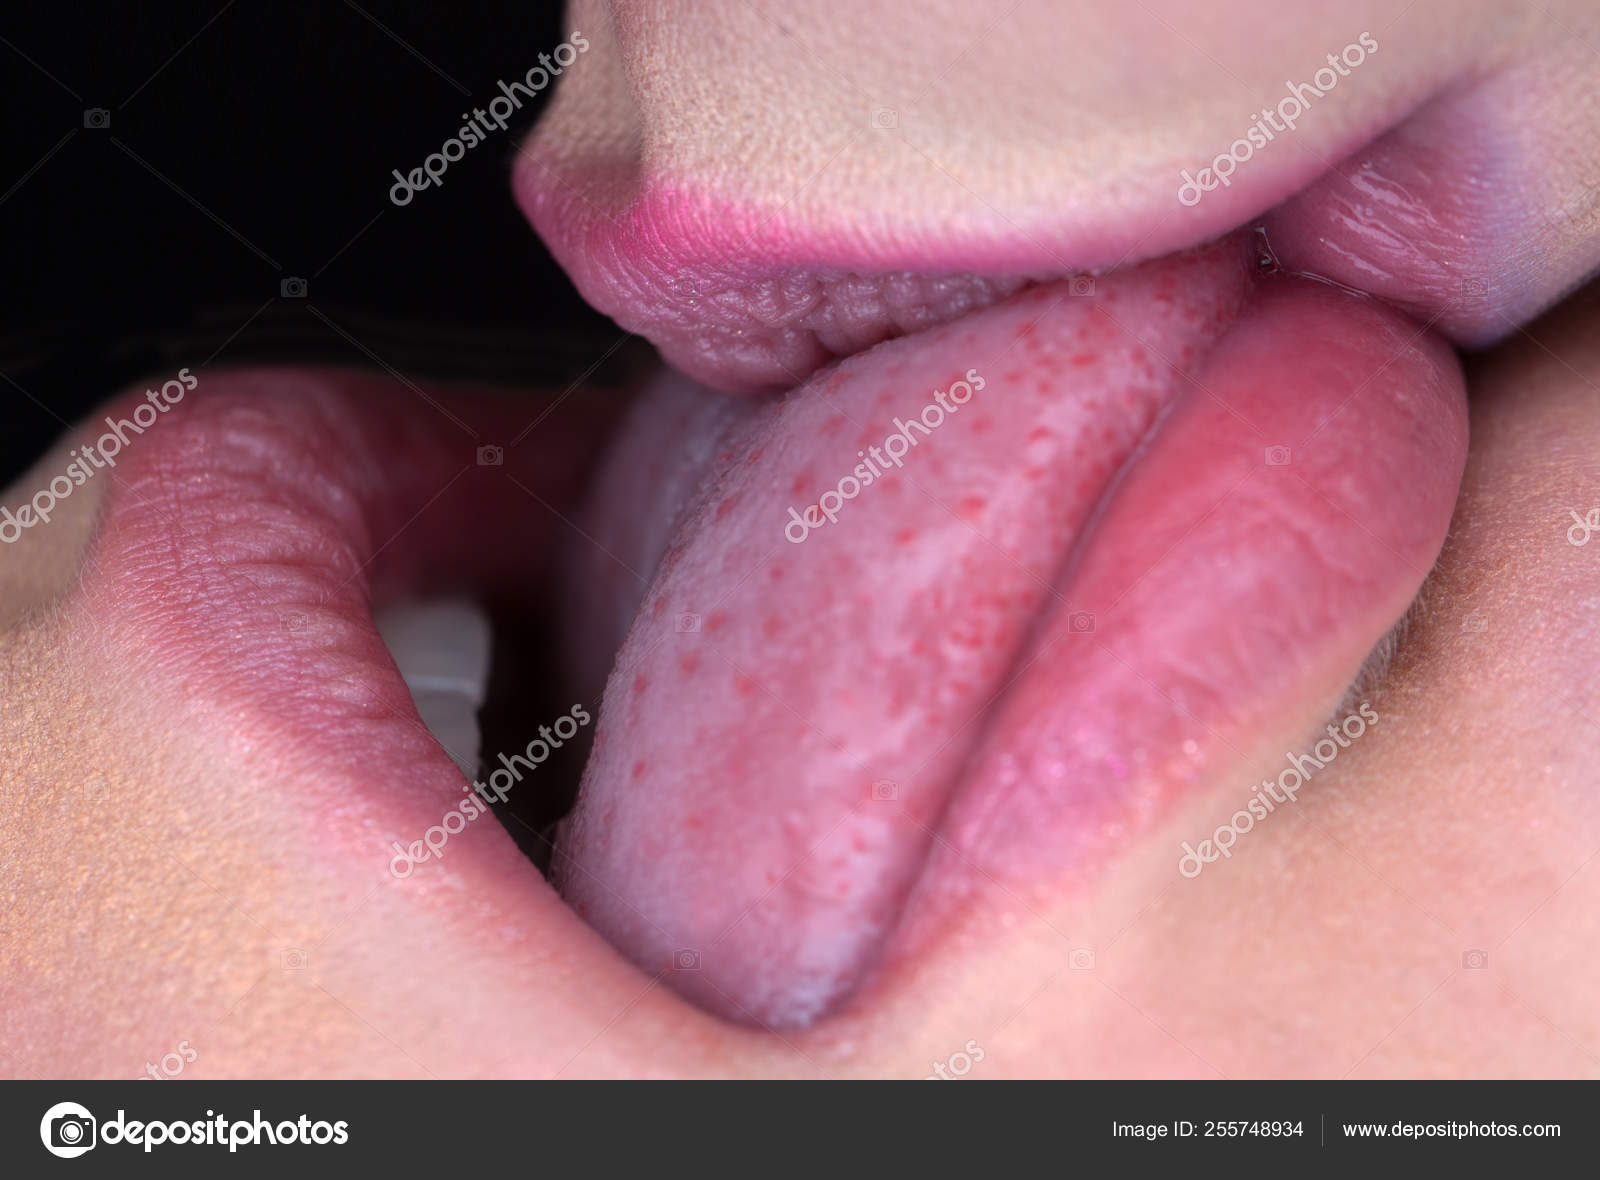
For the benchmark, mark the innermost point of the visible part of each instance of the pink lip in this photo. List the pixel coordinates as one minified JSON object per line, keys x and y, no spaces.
{"x":244,"y":540}
{"x":1008,"y":657}
{"x":1421,"y":206}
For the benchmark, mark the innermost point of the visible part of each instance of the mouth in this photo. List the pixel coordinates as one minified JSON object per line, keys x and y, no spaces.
{"x":1026,"y":561}
{"x":965,"y":615}
{"x":889,"y":679}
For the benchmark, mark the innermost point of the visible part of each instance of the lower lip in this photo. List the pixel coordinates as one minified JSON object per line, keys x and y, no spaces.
{"x":1064,"y":612}
{"x":244,"y":538}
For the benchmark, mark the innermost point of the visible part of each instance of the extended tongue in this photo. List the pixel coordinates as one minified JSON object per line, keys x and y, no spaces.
{"x":798,"y":708}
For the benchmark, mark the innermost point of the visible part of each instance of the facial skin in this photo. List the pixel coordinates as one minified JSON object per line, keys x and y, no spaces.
{"x":174,"y":823}
{"x":715,"y":150}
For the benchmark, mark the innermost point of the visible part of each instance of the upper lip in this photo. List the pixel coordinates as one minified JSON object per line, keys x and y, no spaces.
{"x":741,"y":295}
{"x":246,"y":539}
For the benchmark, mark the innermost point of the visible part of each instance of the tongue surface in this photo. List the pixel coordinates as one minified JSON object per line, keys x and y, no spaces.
{"x":909,"y":611}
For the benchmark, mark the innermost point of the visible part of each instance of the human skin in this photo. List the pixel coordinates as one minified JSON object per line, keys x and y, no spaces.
{"x":173,"y":825}
{"x":705,"y":153}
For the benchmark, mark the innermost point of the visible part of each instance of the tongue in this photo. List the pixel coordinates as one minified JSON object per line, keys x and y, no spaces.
{"x":1104,"y":541}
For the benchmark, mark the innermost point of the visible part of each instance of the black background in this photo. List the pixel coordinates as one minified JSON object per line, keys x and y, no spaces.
{"x":250,"y":142}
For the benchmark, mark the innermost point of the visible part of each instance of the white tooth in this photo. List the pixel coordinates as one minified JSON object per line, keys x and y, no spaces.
{"x":442,"y":650}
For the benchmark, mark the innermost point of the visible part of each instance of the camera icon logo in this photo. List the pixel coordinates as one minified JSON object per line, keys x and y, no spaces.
{"x":1080,"y":622}
{"x":491,"y":456}
{"x":1474,"y":624}
{"x":1081,"y":959}
{"x":1474,"y":960}
{"x":97,"y":119}
{"x":1277,"y":456}
{"x":686,"y":960}
{"x":67,"y":1130}
{"x":292,"y":287}
{"x":885,"y":119}
{"x":688,"y":622}
{"x":292,"y":959}
{"x":1080,"y":285}
{"x":885,"y":791}
{"x":1474,"y":288}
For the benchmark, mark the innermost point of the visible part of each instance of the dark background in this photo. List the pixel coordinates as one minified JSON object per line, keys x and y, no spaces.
{"x":250,"y":142}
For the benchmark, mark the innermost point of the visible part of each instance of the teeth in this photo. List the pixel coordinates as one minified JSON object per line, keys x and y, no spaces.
{"x":442,"y":650}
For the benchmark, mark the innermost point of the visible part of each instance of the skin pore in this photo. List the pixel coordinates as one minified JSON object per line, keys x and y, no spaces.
{"x":168,"y":835}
